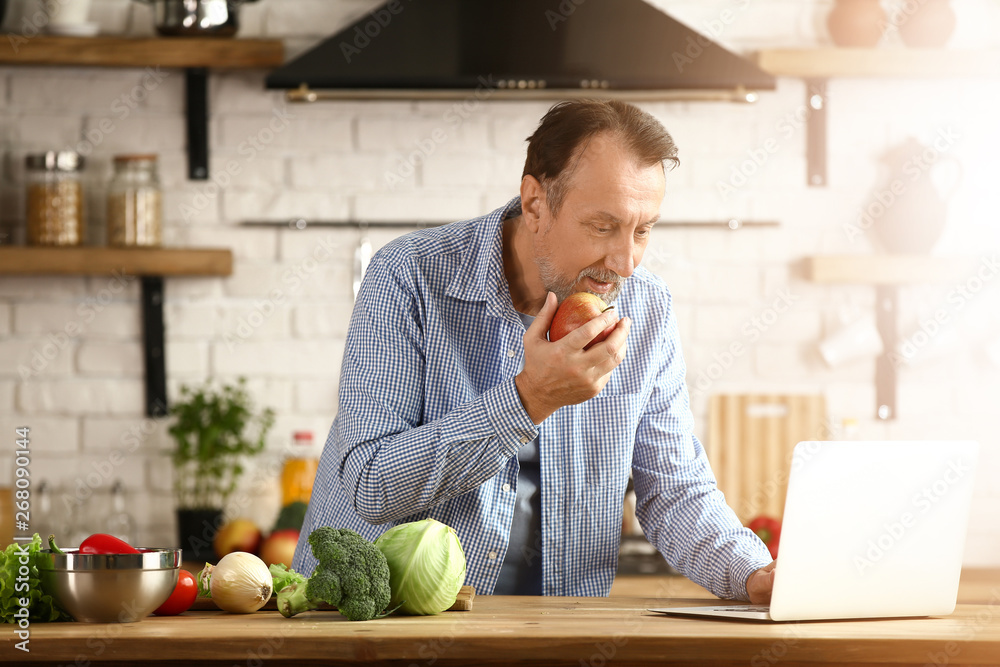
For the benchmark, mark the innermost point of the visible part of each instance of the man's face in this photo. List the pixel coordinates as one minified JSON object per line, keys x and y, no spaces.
{"x":603,"y":226}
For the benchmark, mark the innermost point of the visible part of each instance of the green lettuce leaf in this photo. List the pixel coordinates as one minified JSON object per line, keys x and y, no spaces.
{"x":41,"y":607}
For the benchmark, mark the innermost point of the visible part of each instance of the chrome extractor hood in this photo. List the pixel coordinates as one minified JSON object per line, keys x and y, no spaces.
{"x":519,"y":49}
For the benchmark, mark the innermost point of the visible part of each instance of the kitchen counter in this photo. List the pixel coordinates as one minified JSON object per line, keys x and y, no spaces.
{"x":524,"y":630}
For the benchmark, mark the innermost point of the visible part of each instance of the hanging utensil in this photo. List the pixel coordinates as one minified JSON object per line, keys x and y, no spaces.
{"x":362,"y":255}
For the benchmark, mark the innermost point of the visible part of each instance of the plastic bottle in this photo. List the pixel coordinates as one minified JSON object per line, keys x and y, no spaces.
{"x":299,"y":470}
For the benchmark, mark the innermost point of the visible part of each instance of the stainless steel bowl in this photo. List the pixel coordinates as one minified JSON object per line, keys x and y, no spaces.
{"x":189,"y":18}
{"x":109,"y":588}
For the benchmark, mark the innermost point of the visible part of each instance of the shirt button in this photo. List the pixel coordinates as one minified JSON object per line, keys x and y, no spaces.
{"x":511,"y":353}
{"x":492,"y":555}
{"x":524,"y":439}
{"x":505,"y":487}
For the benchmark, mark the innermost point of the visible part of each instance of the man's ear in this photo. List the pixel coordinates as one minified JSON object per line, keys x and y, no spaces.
{"x":533,"y":203}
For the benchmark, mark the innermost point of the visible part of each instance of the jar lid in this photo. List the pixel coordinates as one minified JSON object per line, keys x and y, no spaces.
{"x":54,"y":161}
{"x":136,"y":157}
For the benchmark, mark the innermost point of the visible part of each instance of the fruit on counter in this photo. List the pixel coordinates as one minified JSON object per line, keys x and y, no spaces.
{"x":182,"y":598}
{"x":351,"y":574}
{"x":426,"y":566}
{"x":279,"y":547}
{"x":768,"y":529}
{"x":240,"y":583}
{"x":292,"y":515}
{"x":575,"y":311}
{"x":20,"y":582}
{"x":237,"y":535}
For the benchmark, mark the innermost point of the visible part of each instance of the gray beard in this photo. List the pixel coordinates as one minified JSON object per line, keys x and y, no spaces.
{"x":562,"y":287}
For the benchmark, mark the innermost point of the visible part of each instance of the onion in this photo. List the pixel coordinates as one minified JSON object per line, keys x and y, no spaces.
{"x":241,"y":583}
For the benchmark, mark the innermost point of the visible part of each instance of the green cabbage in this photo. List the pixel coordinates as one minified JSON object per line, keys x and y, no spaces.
{"x":426,"y":566}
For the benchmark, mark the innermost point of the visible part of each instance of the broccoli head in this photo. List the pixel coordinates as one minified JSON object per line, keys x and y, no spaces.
{"x":351,"y":574}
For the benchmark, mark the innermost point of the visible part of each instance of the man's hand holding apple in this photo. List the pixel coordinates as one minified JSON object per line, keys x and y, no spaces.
{"x":562,"y":372}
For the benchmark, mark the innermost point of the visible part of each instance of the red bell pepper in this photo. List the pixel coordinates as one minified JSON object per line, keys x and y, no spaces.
{"x":768,"y":529}
{"x":101,"y":543}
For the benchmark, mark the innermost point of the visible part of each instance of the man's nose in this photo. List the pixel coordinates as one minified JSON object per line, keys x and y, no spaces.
{"x":622,"y":259}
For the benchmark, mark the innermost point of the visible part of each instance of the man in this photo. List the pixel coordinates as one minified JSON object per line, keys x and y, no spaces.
{"x":454,"y":405}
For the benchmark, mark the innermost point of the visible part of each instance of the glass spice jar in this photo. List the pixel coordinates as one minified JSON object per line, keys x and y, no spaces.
{"x":54,"y":201}
{"x":135,"y":210}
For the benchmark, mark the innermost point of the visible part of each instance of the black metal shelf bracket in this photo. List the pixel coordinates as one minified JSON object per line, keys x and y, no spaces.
{"x":196,"y":89}
{"x":154,"y":352}
{"x":886,"y":371}
{"x":816,"y":132}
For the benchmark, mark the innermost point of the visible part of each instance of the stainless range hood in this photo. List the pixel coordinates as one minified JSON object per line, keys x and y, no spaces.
{"x":519,"y":49}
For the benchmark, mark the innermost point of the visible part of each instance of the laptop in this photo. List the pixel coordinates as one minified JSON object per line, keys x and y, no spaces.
{"x":870,"y":530}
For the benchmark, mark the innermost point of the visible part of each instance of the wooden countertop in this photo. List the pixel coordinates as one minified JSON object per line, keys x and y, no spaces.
{"x":523,"y":630}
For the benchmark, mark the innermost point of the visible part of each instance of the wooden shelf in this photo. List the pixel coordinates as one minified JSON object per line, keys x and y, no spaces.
{"x":888,"y":274}
{"x":888,"y":269}
{"x":87,"y":261}
{"x":899,"y":62}
{"x":196,"y":55}
{"x":212,"y":52}
{"x":816,"y":66}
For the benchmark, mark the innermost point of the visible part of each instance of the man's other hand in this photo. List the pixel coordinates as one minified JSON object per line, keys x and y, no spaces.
{"x":760,"y":583}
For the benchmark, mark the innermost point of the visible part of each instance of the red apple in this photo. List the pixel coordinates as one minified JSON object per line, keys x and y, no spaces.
{"x":237,"y":535}
{"x":279,"y":547}
{"x":575,"y":311}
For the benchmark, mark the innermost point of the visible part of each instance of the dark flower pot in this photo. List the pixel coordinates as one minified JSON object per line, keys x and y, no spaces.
{"x":196,"y":529}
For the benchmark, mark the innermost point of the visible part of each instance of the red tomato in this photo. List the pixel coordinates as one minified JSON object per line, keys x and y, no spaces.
{"x":182,"y":598}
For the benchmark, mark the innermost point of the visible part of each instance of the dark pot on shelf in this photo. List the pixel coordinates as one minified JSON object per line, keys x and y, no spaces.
{"x":196,"y":18}
{"x":856,"y":23}
{"x":196,"y":528}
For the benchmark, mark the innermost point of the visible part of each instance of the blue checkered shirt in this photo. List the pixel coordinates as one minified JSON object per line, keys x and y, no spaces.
{"x":429,"y":422}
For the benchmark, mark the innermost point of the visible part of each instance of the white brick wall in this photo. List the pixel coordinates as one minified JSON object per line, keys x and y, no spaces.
{"x":281,"y":318}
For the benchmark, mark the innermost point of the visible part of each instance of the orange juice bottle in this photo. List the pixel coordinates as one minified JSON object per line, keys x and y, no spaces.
{"x":299,"y":471}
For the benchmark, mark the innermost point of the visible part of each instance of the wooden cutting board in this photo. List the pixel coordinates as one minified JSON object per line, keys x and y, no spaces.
{"x":750,"y":442}
{"x":462,"y":603}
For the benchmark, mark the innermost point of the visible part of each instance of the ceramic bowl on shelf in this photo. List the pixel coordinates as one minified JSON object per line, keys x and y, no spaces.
{"x":109,"y":588}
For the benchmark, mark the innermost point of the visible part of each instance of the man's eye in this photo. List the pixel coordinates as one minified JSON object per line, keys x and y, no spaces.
{"x":642,"y":233}
{"x":603,"y":230}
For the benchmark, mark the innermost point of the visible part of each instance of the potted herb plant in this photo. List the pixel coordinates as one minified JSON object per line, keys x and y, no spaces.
{"x":216,"y":428}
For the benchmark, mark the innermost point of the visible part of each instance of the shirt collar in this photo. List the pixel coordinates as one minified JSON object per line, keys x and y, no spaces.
{"x":481,"y":276}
